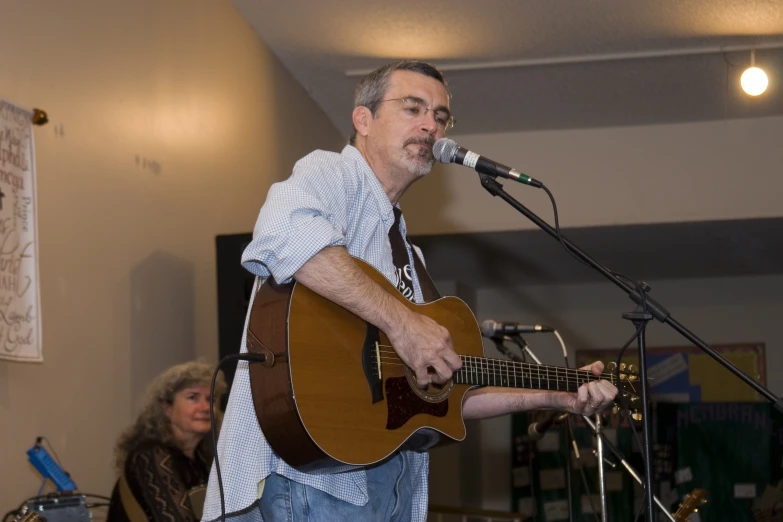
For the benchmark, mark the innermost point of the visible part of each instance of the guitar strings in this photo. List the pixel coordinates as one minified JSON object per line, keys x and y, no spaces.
{"x":492,"y":375}
{"x":485,"y":370}
{"x":495,"y":365}
{"x":538,"y":367}
{"x":502,"y":371}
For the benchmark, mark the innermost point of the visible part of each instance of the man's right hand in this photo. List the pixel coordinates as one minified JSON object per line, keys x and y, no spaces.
{"x":422,"y":344}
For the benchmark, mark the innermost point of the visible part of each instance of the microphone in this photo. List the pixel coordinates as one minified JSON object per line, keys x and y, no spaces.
{"x":537,"y":430}
{"x":446,"y":150}
{"x":490,"y":328}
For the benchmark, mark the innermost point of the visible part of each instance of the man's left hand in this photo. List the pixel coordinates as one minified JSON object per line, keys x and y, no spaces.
{"x":590,"y":398}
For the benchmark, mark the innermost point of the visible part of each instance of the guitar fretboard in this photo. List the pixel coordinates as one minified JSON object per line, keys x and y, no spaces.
{"x":498,"y":372}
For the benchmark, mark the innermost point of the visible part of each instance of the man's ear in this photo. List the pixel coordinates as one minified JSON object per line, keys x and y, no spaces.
{"x":361,"y":120}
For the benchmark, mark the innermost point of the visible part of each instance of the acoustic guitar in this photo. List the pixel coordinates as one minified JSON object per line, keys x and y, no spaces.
{"x":333,"y":392}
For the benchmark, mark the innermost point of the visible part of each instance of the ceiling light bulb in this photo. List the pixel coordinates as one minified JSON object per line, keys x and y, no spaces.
{"x":754,"y":81}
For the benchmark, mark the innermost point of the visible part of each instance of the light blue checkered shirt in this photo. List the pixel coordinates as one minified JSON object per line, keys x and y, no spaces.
{"x":331,"y":199}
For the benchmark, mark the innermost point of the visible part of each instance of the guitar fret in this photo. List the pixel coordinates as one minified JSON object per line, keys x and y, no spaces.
{"x":515,"y":375}
{"x":490,"y":375}
{"x":488,"y":371}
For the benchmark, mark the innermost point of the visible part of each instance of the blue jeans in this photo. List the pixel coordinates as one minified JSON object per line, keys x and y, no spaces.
{"x":388,"y":486}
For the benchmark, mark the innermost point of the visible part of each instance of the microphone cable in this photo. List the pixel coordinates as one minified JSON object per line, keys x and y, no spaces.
{"x":246,"y":356}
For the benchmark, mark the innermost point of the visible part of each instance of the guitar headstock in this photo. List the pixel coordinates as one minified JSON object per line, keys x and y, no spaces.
{"x":690,"y":505}
{"x":628,"y":388}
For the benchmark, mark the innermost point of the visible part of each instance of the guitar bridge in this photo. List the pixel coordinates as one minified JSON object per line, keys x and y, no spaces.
{"x":371,"y":363}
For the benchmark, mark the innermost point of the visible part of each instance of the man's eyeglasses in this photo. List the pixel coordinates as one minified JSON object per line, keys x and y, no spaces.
{"x":415,"y":107}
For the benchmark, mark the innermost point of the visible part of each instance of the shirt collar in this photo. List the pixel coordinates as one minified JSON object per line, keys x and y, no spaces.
{"x":384,"y":204}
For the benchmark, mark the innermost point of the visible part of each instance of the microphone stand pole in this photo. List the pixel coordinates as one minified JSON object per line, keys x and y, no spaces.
{"x":594,"y":428}
{"x":600,"y":457}
{"x":525,"y":347}
{"x":646,"y":309}
{"x":567,"y":428}
{"x":514,"y":357}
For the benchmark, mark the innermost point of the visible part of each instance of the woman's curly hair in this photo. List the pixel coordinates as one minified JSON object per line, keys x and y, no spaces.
{"x":152,"y":424}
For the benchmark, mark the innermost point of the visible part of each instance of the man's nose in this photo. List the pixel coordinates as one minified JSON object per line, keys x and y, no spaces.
{"x":429,"y":124}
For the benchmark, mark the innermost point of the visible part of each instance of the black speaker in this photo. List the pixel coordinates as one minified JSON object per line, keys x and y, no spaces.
{"x":235,"y":285}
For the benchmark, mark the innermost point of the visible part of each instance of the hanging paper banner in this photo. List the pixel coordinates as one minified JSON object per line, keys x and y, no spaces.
{"x":20,"y":302}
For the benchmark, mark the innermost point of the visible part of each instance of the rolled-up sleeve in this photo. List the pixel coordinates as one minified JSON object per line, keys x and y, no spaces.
{"x":301,"y":216}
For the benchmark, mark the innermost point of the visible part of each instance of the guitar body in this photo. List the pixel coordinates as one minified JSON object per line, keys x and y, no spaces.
{"x":320,"y":399}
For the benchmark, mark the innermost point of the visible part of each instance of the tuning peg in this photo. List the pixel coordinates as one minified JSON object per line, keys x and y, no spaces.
{"x":636,"y":416}
{"x":615,"y":409}
{"x":631,"y":368}
{"x":622,"y":367}
{"x":612,"y":366}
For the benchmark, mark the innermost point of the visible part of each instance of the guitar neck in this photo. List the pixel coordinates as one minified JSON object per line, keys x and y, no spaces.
{"x":483,"y":371}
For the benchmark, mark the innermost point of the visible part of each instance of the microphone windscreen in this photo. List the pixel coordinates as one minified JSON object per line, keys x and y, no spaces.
{"x":489,"y":328}
{"x":444,"y":150}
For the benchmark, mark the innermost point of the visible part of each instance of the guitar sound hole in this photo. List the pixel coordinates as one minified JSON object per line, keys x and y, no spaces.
{"x":433,"y":392}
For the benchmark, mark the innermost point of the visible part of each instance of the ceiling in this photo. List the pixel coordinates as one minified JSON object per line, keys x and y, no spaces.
{"x":518,"y":65}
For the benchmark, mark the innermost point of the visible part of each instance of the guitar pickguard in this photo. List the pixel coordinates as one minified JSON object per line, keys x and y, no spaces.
{"x":403,"y":403}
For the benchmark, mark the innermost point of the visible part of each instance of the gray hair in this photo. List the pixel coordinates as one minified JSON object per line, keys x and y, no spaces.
{"x":153,"y":425}
{"x":372,"y":88}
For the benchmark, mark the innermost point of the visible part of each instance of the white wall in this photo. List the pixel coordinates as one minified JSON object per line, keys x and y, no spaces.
{"x":127,"y":255}
{"x":720,"y":311}
{"x":610,"y":176}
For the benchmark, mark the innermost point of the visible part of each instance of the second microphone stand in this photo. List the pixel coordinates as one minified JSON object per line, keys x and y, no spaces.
{"x":570,"y":442}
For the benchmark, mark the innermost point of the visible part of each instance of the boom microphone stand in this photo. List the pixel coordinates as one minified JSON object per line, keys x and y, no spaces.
{"x":646,"y":309}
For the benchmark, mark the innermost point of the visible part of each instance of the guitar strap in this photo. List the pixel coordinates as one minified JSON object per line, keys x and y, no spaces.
{"x":403,"y":265}
{"x":133,"y":510}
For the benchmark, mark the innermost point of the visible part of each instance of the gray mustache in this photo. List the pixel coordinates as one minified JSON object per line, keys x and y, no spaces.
{"x":420,"y":141}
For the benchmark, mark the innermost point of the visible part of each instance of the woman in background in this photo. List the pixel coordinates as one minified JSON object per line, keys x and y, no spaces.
{"x":166,"y":454}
